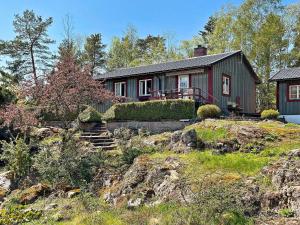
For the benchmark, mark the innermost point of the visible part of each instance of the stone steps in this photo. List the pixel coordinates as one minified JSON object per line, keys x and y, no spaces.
{"x":99,"y":142}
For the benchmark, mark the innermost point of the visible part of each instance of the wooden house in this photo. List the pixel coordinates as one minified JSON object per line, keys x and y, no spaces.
{"x":288,"y":93}
{"x":227,"y":80}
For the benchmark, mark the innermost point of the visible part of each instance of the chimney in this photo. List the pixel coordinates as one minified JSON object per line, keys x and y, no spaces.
{"x":200,"y":51}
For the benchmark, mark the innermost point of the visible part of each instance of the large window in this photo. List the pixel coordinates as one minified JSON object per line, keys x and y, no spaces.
{"x":145,"y":87}
{"x":294,"y":92}
{"x":226,"y":80}
{"x":120,"y":89}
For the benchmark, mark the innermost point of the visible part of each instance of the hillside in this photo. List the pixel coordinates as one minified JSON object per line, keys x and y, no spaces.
{"x":212,"y":172}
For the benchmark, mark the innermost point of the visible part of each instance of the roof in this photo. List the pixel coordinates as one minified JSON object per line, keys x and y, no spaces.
{"x":194,"y":62}
{"x":287,"y":74}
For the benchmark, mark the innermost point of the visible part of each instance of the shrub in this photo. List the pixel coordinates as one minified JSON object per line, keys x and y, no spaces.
{"x":67,"y":163}
{"x":286,"y":213}
{"x":151,"y":110}
{"x":270,"y":114}
{"x":89,"y":115}
{"x":208,"y":111}
{"x":17,"y":156}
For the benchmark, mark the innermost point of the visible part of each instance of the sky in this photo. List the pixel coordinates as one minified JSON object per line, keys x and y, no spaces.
{"x":181,"y":19}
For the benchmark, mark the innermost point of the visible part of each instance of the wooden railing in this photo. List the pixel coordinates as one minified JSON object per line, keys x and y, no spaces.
{"x":184,"y":93}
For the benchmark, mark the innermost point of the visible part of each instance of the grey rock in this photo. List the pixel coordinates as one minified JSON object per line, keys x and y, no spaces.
{"x":133,"y":203}
{"x":5,"y":181}
{"x":176,"y":136}
{"x":51,"y":206}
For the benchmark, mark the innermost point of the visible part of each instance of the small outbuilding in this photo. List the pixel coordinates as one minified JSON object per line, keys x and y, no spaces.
{"x":288,"y":93}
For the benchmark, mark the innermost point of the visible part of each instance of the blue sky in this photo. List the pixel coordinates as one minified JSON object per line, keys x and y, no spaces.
{"x":181,"y":18}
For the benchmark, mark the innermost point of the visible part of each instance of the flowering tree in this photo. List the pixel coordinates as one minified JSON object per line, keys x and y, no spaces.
{"x":70,"y":86}
{"x":18,"y":117}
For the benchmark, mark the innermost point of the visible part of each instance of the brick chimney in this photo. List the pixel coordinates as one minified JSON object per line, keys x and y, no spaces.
{"x":200,"y":51}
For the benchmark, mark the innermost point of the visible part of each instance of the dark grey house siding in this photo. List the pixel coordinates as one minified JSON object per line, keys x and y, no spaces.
{"x":242,"y":84}
{"x":286,"y":107}
{"x":200,"y":81}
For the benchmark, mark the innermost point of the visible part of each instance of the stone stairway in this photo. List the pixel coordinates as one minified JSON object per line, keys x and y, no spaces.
{"x":99,"y":141}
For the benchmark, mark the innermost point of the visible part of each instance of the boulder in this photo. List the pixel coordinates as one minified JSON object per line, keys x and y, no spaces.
{"x":31,"y":194}
{"x":123,"y":133}
{"x":42,"y":133}
{"x":73,"y":193}
{"x":51,"y":206}
{"x":189,"y":138}
{"x":133,"y":203}
{"x":176,"y":136}
{"x":5,"y":180}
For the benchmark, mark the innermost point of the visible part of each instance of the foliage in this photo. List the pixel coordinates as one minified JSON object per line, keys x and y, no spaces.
{"x":208,"y":111}
{"x":69,"y":162}
{"x":131,"y":50}
{"x":69,"y":87}
{"x":7,"y":94}
{"x":151,"y":110}
{"x":270,"y":114}
{"x":286,"y":212}
{"x":94,"y":54}
{"x":17,"y":156}
{"x":90,"y":114}
{"x":18,"y":117}
{"x":29,"y":51}
{"x":17,"y":215}
{"x":262,"y":29}
{"x":133,"y":148}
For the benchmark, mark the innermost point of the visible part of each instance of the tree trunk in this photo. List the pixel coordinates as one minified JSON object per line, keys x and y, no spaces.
{"x":33,"y":66}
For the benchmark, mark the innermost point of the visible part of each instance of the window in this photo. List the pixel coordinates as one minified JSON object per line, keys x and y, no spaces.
{"x":226,"y":85}
{"x":294,"y":92}
{"x":145,"y":87}
{"x":120,"y":89}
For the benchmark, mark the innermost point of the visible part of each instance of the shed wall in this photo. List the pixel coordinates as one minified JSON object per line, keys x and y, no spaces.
{"x":286,"y":107}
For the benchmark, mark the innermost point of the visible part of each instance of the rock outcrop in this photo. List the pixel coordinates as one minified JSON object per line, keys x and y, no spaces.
{"x":150,"y":182}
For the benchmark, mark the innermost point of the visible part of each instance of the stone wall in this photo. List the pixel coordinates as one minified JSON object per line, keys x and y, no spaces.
{"x":152,"y":127}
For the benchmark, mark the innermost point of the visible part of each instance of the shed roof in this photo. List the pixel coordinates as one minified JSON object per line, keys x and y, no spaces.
{"x":287,"y":74}
{"x":194,"y":62}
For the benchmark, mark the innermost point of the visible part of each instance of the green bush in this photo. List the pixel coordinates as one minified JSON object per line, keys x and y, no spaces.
{"x":69,"y":162}
{"x":270,"y":114}
{"x":17,"y":156}
{"x":89,"y":115}
{"x":208,"y":111}
{"x":151,"y":110}
{"x":286,"y":213}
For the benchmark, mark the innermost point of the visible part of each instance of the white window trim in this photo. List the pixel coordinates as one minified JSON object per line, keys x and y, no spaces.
{"x":120,"y":85}
{"x":145,"y":86}
{"x":188,"y":79}
{"x":226,"y":88}
{"x":298,"y":91}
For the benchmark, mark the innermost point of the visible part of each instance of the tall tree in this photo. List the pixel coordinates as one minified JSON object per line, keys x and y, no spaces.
{"x":29,"y":51}
{"x":94,"y":54}
{"x":208,"y":29}
{"x":123,"y":50}
{"x":258,"y":28}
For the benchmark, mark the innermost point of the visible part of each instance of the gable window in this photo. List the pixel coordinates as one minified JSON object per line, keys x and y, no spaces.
{"x":145,"y":87}
{"x":226,"y":87}
{"x":294,"y":92}
{"x":120,"y":89}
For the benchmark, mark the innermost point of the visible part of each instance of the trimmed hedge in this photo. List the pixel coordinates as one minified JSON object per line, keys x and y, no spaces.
{"x":90,"y":115}
{"x":270,"y":114}
{"x":208,"y":111}
{"x":151,"y":110}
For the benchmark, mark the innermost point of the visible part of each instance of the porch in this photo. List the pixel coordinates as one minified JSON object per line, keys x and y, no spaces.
{"x":183,"y":93}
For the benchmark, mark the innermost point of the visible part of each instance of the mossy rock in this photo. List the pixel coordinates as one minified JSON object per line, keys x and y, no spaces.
{"x":89,"y":115}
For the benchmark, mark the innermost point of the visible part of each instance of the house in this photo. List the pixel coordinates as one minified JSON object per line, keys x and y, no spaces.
{"x":288,"y":93}
{"x":226,"y":79}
